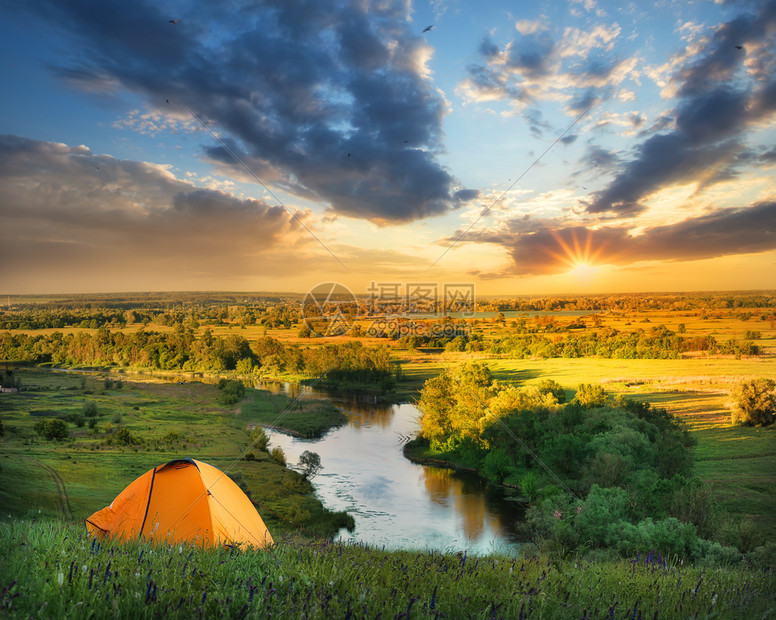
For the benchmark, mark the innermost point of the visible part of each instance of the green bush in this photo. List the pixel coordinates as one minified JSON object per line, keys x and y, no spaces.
{"x":52,"y":428}
{"x":123,"y":437}
{"x":89,"y":409}
{"x":231,"y":391}
{"x":259,"y":439}
{"x":754,"y":402}
{"x":590,"y":396}
{"x":496,"y":465}
{"x":278,"y":455}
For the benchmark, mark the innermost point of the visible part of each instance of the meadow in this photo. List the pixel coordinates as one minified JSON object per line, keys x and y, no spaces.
{"x":164,"y":419}
{"x":54,"y":570}
{"x":173,"y":413}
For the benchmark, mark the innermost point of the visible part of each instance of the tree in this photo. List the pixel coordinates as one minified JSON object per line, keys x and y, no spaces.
{"x":754,"y":402}
{"x":310,"y":463}
{"x":590,"y":396}
{"x":279,"y":456}
{"x":52,"y":428}
{"x":497,"y":465}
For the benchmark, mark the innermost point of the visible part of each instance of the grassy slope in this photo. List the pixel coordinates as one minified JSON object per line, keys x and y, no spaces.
{"x":51,"y":570}
{"x":76,"y":477}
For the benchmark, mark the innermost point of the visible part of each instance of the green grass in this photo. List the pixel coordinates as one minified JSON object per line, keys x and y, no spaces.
{"x":48,"y":569}
{"x":306,"y":418}
{"x":73,"y":478}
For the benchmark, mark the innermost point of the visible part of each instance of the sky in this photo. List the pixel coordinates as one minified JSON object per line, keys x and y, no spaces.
{"x":561,"y":147}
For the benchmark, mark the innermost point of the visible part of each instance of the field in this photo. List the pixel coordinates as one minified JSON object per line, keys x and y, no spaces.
{"x":168,"y":419}
{"x":739,"y":461}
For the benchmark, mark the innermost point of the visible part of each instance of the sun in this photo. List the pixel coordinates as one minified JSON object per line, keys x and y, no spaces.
{"x":583,"y":271}
{"x":577,"y":254}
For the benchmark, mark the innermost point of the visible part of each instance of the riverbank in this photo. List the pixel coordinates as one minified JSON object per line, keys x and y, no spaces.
{"x":418,"y":451}
{"x":116,"y":431}
{"x":309,"y":419}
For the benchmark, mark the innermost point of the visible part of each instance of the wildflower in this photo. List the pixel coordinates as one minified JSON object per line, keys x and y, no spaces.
{"x":60,"y":578}
{"x":557,"y":514}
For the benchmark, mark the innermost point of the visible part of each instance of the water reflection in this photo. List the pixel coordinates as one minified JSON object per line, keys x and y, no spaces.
{"x":362,"y":408}
{"x":397,"y":503}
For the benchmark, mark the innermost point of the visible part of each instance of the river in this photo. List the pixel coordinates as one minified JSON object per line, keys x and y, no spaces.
{"x":398,"y":504}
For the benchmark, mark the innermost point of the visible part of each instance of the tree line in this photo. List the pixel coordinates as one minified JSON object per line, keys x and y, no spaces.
{"x":347,"y":364}
{"x":658,"y":342}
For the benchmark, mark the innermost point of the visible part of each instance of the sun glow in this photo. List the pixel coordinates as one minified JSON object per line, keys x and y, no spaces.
{"x":583,"y":271}
{"x":577,"y":253}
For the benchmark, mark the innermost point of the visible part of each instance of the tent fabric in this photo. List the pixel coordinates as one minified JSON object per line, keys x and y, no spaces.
{"x":182,"y":501}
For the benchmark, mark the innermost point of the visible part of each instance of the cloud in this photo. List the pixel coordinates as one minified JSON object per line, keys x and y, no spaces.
{"x":704,"y":138}
{"x":541,"y":248}
{"x":539,"y":65}
{"x":295,"y":86}
{"x":68,"y":212}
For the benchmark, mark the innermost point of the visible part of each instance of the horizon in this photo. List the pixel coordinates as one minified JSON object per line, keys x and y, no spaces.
{"x":259,"y":293}
{"x":569,"y":148}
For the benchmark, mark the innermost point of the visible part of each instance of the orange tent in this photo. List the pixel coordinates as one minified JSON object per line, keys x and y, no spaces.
{"x":183,"y":500}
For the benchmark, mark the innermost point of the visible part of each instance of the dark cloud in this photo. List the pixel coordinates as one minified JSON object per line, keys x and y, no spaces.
{"x":542,"y":248}
{"x":295,"y":85}
{"x":721,"y":58}
{"x":581,"y":103}
{"x":535,"y":67}
{"x":465,"y":195}
{"x":532,"y":56}
{"x":488,"y":48}
{"x":703,"y":139}
{"x":68,"y":211}
{"x":660,"y":161}
{"x":536,"y":123}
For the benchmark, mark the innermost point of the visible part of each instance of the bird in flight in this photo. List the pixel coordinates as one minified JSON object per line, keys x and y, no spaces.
{"x":174,"y":21}
{"x":427,"y":28}
{"x":739,"y":47}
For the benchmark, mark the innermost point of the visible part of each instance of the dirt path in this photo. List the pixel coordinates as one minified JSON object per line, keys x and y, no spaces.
{"x":64,"y":501}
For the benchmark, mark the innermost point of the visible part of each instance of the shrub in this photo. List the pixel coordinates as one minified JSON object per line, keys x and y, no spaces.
{"x":259,"y":439}
{"x":124,"y":437}
{"x":496,"y":465}
{"x":528,"y":485}
{"x":590,"y":396}
{"x":548,"y":386}
{"x":278,"y":455}
{"x":754,"y":402}
{"x":231,"y":391}
{"x":52,"y":428}
{"x":89,"y":409}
